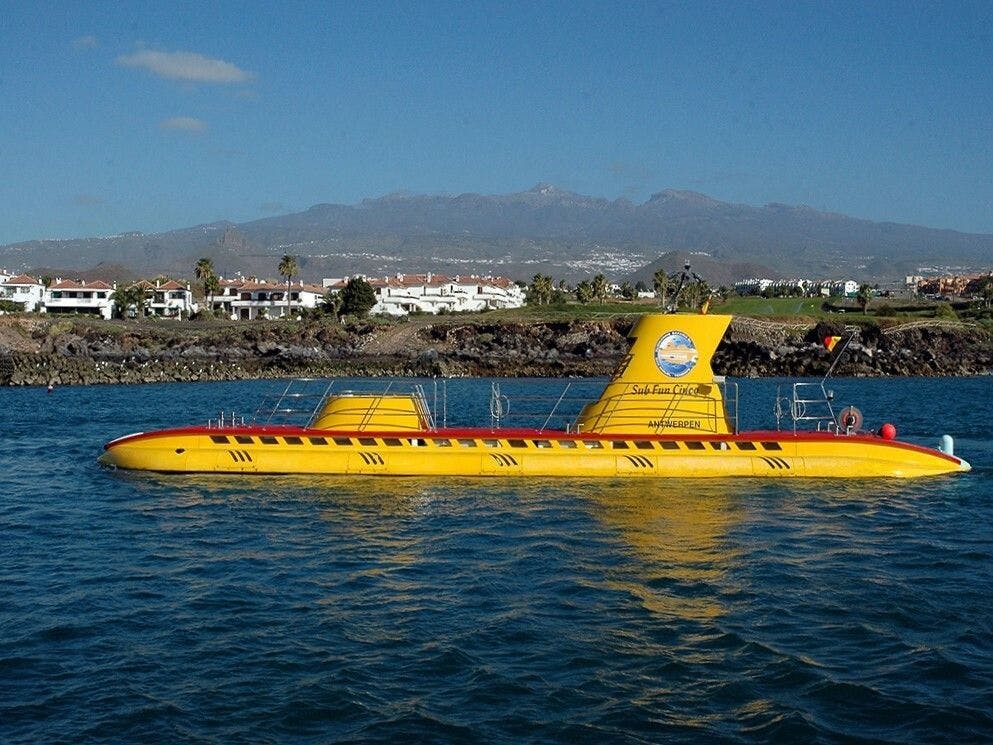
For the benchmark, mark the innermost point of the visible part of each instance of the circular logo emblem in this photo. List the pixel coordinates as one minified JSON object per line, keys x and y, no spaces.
{"x":675,"y":354}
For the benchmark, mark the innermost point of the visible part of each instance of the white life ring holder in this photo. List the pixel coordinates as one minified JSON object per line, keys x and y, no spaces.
{"x":850,"y":419}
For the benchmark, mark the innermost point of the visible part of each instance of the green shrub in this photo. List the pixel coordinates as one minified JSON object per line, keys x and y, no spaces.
{"x":945,"y":312}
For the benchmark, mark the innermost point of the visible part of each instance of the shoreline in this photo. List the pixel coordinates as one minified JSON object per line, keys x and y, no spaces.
{"x":79,"y":351}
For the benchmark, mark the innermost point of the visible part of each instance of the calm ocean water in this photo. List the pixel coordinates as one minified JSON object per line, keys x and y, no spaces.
{"x":203,"y":609}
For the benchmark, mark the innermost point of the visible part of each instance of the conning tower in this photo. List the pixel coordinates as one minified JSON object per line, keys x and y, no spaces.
{"x":665,"y":384}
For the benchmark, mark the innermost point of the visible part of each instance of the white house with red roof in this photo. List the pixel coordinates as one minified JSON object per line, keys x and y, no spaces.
{"x":28,"y":292}
{"x":249,"y":299}
{"x":172,"y":300}
{"x":403,"y":294}
{"x":73,"y":296}
{"x":167,"y":299}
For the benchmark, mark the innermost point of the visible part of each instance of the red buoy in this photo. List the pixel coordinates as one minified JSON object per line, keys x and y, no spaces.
{"x":887,"y":431}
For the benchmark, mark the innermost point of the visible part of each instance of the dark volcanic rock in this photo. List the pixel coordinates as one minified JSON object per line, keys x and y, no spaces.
{"x":69,"y":352}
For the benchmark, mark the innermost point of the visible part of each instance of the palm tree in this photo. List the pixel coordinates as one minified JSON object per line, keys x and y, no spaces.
{"x":540,"y":291}
{"x":600,"y":288}
{"x":695,"y":296}
{"x":288,"y":268}
{"x":204,"y":271}
{"x":865,"y":293}
{"x":986,"y":291}
{"x":662,"y":283}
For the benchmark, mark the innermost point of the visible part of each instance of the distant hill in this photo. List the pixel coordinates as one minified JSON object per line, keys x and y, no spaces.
{"x":544,"y":229}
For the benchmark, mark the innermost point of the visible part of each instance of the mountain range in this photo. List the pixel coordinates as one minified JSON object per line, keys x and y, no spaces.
{"x":545,"y":229}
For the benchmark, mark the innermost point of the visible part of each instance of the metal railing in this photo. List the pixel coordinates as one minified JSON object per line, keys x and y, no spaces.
{"x":808,"y":404}
{"x":623,"y":408}
{"x":298,"y":402}
{"x":301,"y":401}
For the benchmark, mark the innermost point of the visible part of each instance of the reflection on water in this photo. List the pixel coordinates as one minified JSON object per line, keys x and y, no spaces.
{"x":681,"y":534}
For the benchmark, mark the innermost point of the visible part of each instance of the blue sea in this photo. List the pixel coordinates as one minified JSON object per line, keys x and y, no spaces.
{"x":138,"y":607}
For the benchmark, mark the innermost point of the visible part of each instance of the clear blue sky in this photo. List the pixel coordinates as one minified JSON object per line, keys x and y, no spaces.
{"x":149,"y":117}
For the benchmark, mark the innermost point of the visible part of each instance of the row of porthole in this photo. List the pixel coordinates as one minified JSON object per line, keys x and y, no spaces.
{"x":444,"y":442}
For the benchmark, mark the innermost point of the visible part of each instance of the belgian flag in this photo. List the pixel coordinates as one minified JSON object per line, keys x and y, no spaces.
{"x":836,"y":346}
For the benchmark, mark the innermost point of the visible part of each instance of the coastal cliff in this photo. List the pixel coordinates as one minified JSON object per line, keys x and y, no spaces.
{"x":35,"y":350}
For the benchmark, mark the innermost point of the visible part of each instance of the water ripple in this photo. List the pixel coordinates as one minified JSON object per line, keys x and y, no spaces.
{"x":136,"y":607}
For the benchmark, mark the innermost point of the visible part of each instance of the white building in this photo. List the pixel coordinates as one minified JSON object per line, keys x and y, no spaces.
{"x":92,"y":298}
{"x":839,"y":288}
{"x":26,"y":291}
{"x":793,"y":286}
{"x":752,"y":286}
{"x":403,"y":294}
{"x":172,"y":300}
{"x":249,"y":299}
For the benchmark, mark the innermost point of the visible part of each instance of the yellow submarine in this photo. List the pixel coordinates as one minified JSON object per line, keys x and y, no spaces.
{"x":663,"y":414}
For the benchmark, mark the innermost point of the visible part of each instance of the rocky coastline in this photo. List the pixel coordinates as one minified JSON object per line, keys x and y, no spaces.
{"x":76,"y":351}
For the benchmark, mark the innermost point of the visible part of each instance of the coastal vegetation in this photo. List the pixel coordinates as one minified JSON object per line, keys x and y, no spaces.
{"x":357,"y":298}
{"x":288,"y":268}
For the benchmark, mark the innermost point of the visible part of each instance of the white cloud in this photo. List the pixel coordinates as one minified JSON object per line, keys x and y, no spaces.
{"x":85,"y":42}
{"x":188,"y":66}
{"x":184,"y":124}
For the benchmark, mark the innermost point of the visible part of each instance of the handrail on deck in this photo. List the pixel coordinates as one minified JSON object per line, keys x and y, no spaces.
{"x":803,"y":406}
